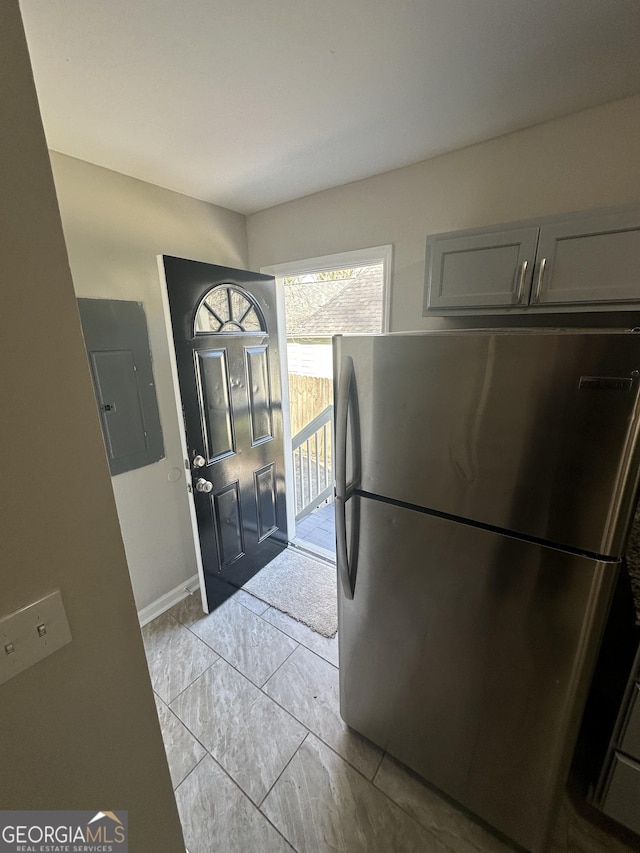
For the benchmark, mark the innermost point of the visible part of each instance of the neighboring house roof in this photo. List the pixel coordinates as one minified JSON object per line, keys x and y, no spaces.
{"x":304,"y":299}
{"x":357,"y":307}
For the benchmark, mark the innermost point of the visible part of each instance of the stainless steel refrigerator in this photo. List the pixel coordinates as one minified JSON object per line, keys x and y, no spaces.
{"x":485,"y":485}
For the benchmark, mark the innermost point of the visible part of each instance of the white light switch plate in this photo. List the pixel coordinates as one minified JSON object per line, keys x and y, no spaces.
{"x":32,"y":633}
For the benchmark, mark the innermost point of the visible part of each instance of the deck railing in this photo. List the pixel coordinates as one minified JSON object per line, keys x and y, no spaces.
{"x":313,"y":463}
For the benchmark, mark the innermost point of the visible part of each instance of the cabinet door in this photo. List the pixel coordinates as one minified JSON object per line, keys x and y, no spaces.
{"x":631,"y":738}
{"x":480,"y":270}
{"x":623,"y":793}
{"x":590,"y":259}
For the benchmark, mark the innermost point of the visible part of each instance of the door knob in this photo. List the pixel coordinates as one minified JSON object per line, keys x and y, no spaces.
{"x":203,"y":485}
{"x":199,"y":461}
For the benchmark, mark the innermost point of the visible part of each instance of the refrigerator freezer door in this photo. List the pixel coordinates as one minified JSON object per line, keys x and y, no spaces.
{"x":531,"y":432}
{"x":467,"y":655}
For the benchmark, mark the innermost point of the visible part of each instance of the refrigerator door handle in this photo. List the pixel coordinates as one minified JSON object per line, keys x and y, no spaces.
{"x":342,"y":553}
{"x":343,"y":492}
{"x":342,"y":420}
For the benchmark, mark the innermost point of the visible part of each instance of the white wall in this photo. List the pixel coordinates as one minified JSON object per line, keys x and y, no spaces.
{"x":587,"y":160}
{"x":115,"y":227}
{"x":79,"y":729}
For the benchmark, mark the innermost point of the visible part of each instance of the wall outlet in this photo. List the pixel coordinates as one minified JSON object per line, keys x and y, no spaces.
{"x":32,"y":633}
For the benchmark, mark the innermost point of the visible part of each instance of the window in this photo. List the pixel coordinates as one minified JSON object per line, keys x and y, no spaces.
{"x":227,"y":308}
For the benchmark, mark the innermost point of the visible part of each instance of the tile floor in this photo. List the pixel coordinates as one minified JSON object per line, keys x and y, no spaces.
{"x":261,"y":761}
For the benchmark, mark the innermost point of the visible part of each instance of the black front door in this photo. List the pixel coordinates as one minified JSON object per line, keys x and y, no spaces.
{"x":225,"y":337}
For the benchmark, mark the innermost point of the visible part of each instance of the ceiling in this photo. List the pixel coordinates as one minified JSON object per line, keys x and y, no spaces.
{"x":250,"y":103}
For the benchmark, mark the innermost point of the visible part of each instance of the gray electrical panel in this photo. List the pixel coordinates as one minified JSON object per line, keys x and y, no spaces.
{"x":117,"y":342}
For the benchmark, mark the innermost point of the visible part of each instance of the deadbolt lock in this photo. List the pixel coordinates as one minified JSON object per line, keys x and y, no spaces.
{"x":199,"y":461}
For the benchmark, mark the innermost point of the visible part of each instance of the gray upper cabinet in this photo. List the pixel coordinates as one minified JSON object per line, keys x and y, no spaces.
{"x":479,"y":270}
{"x":578,"y":260}
{"x":591,"y":259}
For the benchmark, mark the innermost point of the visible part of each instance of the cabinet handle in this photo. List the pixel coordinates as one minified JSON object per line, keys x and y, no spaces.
{"x":520,"y":288}
{"x":543,"y":264}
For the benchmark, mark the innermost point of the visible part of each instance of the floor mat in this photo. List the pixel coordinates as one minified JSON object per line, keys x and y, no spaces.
{"x":302,"y":587}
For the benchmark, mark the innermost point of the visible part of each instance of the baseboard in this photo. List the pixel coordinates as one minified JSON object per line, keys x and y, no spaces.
{"x":162,"y":604}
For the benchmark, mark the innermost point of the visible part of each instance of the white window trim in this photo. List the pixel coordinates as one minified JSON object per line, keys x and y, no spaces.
{"x":341,"y":260}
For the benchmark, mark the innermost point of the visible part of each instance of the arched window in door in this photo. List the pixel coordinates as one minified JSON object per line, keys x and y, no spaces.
{"x":228,"y":308}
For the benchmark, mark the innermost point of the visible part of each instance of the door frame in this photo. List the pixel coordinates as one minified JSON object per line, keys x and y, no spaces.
{"x":356,"y":257}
